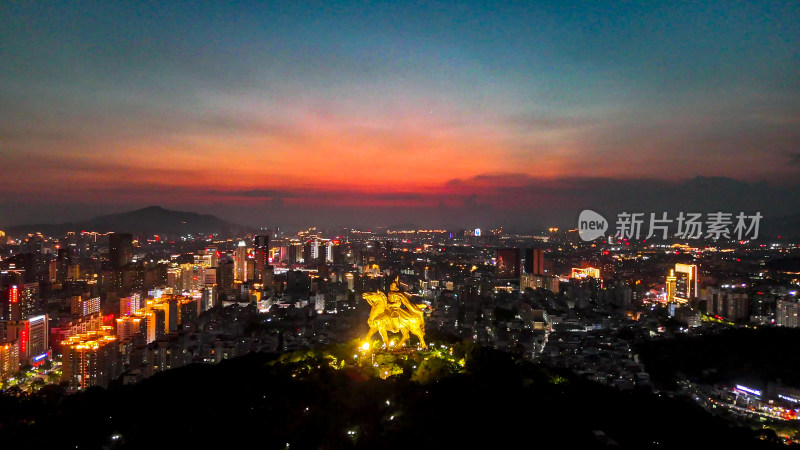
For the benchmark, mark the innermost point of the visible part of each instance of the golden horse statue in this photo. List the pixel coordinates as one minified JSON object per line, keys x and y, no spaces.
{"x":388,"y":315}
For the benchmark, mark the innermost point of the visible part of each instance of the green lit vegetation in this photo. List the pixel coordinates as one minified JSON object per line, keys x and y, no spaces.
{"x":423,"y":366}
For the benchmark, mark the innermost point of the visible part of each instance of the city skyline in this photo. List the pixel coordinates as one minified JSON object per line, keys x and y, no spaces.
{"x":346,"y":113}
{"x":399,"y":224}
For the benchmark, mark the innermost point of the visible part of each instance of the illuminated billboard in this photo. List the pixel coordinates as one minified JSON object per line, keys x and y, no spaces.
{"x":588,"y":272}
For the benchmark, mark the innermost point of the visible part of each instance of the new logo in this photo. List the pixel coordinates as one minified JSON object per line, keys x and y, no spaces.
{"x":591,"y":225}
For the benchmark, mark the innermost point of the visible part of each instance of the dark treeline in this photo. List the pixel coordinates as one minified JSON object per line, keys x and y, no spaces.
{"x":495,"y":401}
{"x":738,"y":355}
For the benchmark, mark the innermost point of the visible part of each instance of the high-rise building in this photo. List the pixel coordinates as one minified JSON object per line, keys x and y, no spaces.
{"x":90,"y":359}
{"x":71,"y":326}
{"x":211,"y":257}
{"x":249,"y":268}
{"x":155,"y":324}
{"x":74,"y":272}
{"x":295,"y":252}
{"x":319,"y":302}
{"x":335,"y":253}
{"x":210,"y":275}
{"x":208,"y":298}
{"x":268,"y":276}
{"x":528,"y":280}
{"x":130,"y":305}
{"x":508,"y":263}
{"x":682,"y":284}
{"x":225,"y":276}
{"x":120,"y":249}
{"x":187,"y":309}
{"x":534,"y":261}
{"x":685,"y":282}
{"x":9,"y":359}
{"x":52,"y":272}
{"x":786,"y":314}
{"x":731,"y":304}
{"x":170,"y":307}
{"x":63,"y":261}
{"x":12,"y":307}
{"x":29,"y":300}
{"x":128,"y":327}
{"x":32,"y":334}
{"x":738,"y":306}
{"x":671,"y":282}
{"x":191,"y":276}
{"x":85,"y":306}
{"x":157,"y":317}
{"x":239,"y":262}
{"x":323,"y":251}
{"x":261,"y":256}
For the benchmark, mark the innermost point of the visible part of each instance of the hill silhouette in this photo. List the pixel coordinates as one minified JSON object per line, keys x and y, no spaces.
{"x":149,"y":220}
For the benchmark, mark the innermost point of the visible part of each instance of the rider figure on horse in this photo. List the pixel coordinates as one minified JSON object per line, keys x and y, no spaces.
{"x":395,"y":301}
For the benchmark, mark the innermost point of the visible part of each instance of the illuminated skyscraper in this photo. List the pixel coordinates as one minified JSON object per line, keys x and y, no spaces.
{"x":9,"y":359}
{"x":130,"y":305}
{"x":129,"y":326}
{"x":211,"y":257}
{"x":239,"y":262}
{"x":13,"y":308}
{"x":155,"y":324}
{"x":158,"y":317}
{"x":249,"y":267}
{"x":52,"y":272}
{"x":671,"y":286}
{"x":208,"y":298}
{"x":685,"y":282}
{"x":170,"y":307}
{"x":32,"y":334}
{"x":90,"y":359}
{"x":261,"y":256}
{"x":85,"y":306}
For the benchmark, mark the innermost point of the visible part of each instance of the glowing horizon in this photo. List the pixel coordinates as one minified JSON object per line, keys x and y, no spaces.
{"x":388,"y":104}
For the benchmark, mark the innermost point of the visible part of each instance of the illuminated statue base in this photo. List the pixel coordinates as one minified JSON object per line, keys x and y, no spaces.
{"x":403,"y":349}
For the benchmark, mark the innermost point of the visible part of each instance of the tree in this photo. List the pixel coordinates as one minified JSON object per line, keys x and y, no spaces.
{"x":53,"y":377}
{"x":432,"y":369}
{"x":36,"y":384}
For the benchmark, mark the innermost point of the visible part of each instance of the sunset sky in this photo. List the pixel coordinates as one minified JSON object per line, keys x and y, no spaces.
{"x":388,"y":112}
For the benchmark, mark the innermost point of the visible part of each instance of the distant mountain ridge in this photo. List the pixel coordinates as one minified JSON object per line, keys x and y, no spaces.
{"x":149,"y":220}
